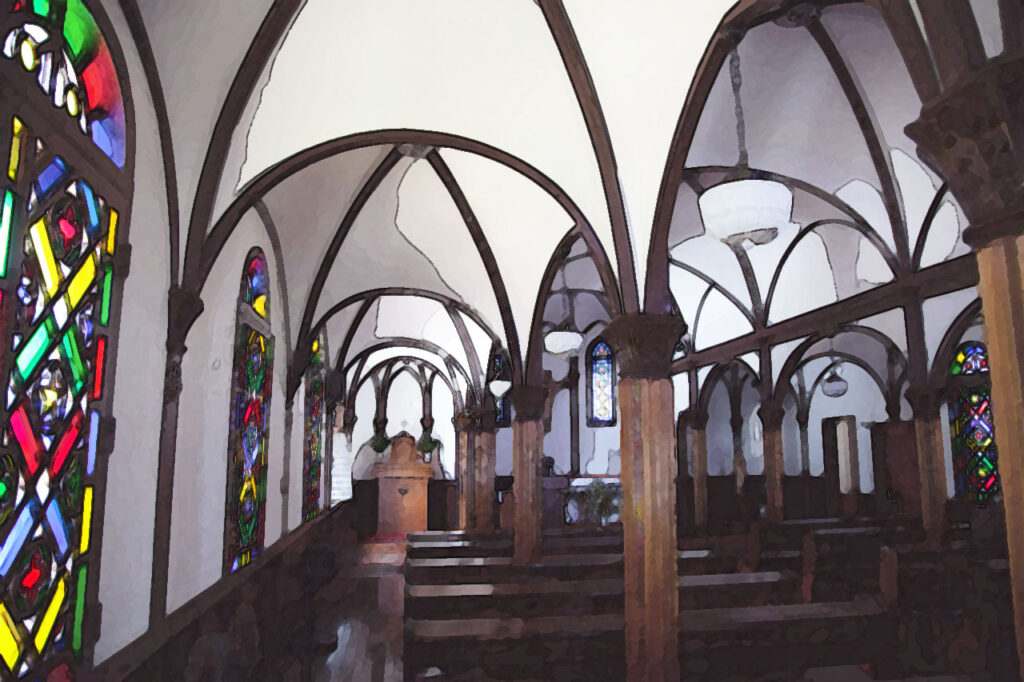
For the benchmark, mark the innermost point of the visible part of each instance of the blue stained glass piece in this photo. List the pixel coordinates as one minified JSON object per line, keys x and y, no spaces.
{"x":17,"y":537}
{"x":51,"y":175}
{"x":94,"y":207}
{"x":57,"y":526}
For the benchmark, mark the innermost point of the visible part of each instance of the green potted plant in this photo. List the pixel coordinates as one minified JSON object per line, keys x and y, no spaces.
{"x":599,"y":499}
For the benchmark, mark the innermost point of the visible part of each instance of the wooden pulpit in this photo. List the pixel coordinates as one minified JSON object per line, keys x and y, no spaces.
{"x":402,"y":489}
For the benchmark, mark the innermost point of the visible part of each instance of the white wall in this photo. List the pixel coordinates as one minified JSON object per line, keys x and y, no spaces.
{"x":719,"y":432}
{"x":139,"y":373}
{"x":197,"y":522}
{"x":863,"y":401}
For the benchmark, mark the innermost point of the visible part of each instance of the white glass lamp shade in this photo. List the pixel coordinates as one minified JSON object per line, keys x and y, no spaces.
{"x":745,"y":206}
{"x":834,"y":386}
{"x":562,"y":342}
{"x":499,"y":387}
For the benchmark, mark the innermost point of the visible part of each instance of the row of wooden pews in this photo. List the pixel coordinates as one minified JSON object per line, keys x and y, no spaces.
{"x":769,"y":604}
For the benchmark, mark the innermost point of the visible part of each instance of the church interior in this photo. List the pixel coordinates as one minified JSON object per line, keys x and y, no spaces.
{"x":556,"y":340}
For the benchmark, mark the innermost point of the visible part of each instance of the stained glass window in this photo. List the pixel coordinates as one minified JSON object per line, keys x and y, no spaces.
{"x":250,"y":398}
{"x":600,"y":385}
{"x":312,"y":461}
{"x":975,"y":460}
{"x":59,"y":42}
{"x":499,"y":369}
{"x":58,"y":241}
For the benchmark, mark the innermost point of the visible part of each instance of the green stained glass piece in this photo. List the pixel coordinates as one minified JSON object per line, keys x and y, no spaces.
{"x":80,"y":585}
{"x":35,"y":349}
{"x":70,"y":350}
{"x":108,"y":284}
{"x":3,"y":488}
{"x":80,"y":31}
{"x":41,"y":7}
{"x":956,"y":369}
{"x":6,"y":217}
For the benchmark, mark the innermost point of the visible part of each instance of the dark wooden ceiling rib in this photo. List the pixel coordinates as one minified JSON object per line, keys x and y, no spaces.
{"x":899,"y":17}
{"x":658,"y":298}
{"x":487,"y":257}
{"x":952,"y":275}
{"x":926,"y":225}
{"x":351,"y":333}
{"x":951,"y":339}
{"x":141,"y":37}
{"x":331,"y":253}
{"x":1011,"y":14}
{"x":371,"y":294}
{"x":271,"y":177}
{"x":953,"y":37}
{"x":869,"y":235}
{"x":282,"y":281}
{"x":390,"y":376}
{"x":535,"y":347}
{"x":747,"y":313}
{"x":873,"y":138}
{"x":597,"y":128}
{"x":274,"y":25}
{"x":472,"y":357}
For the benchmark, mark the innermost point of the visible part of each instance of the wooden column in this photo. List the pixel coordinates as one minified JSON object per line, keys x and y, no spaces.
{"x":1002,"y":274}
{"x":971,"y":133}
{"x":643,"y":346}
{"x":699,"y":457}
{"x":465,"y":463}
{"x":803,"y":418}
{"x":527,"y":451}
{"x":771,"y":415}
{"x":930,"y":462}
{"x":485,"y":516}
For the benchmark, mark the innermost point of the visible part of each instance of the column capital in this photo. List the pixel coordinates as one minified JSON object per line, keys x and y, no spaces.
{"x":973,"y":136}
{"x":464,"y":422}
{"x":771,"y":415}
{"x":528,"y":401}
{"x":803,"y":417}
{"x":427,"y":424}
{"x":183,"y":308}
{"x":924,"y":401}
{"x":380,"y":424}
{"x":486,"y":417}
{"x":644,"y":343}
{"x":698,"y":421}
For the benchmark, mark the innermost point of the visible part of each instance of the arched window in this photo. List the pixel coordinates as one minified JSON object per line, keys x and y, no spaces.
{"x":313,"y":450}
{"x":60,"y":207}
{"x":250,"y":409}
{"x":975,"y":460}
{"x":499,"y":368}
{"x":600,"y":384}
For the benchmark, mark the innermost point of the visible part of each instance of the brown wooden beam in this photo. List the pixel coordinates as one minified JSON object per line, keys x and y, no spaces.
{"x":952,"y":275}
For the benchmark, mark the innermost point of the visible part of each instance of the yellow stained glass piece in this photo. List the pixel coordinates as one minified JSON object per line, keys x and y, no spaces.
{"x":250,"y":483}
{"x":316,"y":345}
{"x":10,"y":639}
{"x":44,"y":254}
{"x":260,"y":306}
{"x":46,"y":626}
{"x":81,"y":282}
{"x":15,"y":161}
{"x":960,"y":357}
{"x":86,"y":520}
{"x":112,"y":233}
{"x":28,"y":54}
{"x":72,"y":103}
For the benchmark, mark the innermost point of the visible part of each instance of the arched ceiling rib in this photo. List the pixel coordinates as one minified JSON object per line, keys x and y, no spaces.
{"x":489,"y":71}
